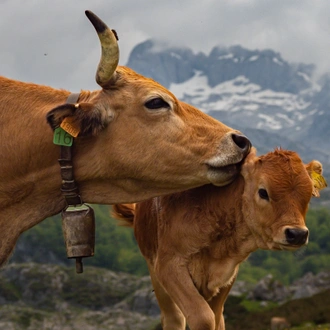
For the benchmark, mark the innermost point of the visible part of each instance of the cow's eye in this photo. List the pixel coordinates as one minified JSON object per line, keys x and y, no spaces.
{"x":156,"y":103}
{"x":263,"y":194}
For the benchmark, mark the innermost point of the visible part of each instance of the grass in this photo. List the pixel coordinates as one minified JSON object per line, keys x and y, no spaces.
{"x":256,"y":306}
{"x":311,"y":326}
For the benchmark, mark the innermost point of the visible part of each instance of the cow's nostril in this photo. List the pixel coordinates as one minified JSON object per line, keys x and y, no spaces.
{"x":296,"y":236}
{"x":242,"y":142}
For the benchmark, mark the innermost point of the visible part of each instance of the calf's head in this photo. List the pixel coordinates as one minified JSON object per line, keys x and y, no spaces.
{"x":277,"y":191}
{"x":150,"y":137}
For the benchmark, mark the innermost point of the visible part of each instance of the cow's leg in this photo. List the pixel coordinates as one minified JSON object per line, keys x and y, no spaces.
{"x":174,"y":276}
{"x":171,"y":316}
{"x":8,"y":239}
{"x":21,"y":216}
{"x":217,"y":305}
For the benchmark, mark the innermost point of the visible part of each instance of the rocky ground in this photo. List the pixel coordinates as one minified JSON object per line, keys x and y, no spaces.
{"x":269,"y":289}
{"x":37,"y":296}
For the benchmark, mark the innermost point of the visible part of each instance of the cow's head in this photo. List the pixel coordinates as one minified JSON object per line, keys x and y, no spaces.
{"x":136,"y":131}
{"x":278,"y":188}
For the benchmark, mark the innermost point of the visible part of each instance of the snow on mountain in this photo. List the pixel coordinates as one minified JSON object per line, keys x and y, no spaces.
{"x":256,"y":91}
{"x":242,"y":96}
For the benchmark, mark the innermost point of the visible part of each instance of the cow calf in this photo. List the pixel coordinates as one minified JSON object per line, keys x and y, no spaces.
{"x":194,"y":241}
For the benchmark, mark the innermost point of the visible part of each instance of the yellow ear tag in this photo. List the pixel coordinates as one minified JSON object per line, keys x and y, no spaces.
{"x":319,"y":183}
{"x":70,"y":126}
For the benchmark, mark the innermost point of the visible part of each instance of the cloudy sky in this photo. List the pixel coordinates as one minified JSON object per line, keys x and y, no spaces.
{"x":53,"y":43}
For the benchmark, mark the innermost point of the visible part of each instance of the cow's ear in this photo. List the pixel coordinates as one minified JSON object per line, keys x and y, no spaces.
{"x":315,"y":170}
{"x":84,"y":118}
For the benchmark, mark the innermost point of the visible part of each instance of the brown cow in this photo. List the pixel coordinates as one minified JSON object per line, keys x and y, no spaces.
{"x":194,"y":241}
{"x":136,"y":141}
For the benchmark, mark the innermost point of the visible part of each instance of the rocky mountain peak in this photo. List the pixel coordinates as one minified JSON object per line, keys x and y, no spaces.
{"x":172,"y":64}
{"x":252,"y":90}
{"x":257,"y":66}
{"x":166,"y":64}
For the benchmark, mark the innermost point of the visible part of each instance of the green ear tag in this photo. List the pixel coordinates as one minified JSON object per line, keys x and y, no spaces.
{"x":62,"y":138}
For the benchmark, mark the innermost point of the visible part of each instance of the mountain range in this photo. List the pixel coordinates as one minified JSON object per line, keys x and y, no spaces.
{"x":274,"y":102}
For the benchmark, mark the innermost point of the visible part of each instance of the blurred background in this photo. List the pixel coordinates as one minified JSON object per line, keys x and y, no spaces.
{"x":259,"y":66}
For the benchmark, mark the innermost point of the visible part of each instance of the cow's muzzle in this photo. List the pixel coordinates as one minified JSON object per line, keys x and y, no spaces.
{"x":242,"y":142}
{"x":224,"y":167}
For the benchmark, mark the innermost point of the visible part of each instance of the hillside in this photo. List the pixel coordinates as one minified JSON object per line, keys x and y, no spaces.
{"x":34,"y":296}
{"x":117,"y":250}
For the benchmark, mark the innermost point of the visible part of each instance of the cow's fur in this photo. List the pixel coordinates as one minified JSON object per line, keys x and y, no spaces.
{"x":126,"y":151}
{"x":194,"y":241}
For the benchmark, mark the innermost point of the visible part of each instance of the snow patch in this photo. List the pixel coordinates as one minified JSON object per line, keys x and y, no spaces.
{"x":226,"y":57}
{"x":286,"y":118}
{"x":277,"y":61}
{"x":312,"y":112}
{"x":176,"y":55}
{"x":269,"y":122}
{"x":251,"y":107}
{"x":253,"y":58}
{"x":304,"y":76}
{"x":275,"y":110}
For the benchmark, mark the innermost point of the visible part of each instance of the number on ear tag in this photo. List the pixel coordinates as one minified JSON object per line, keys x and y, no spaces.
{"x":62,"y":138}
{"x":70,"y":126}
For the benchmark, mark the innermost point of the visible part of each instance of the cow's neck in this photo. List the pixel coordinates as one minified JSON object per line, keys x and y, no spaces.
{"x":31,"y":166}
{"x":30,"y":178}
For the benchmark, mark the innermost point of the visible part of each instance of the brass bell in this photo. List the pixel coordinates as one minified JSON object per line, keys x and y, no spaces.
{"x":78,"y":224}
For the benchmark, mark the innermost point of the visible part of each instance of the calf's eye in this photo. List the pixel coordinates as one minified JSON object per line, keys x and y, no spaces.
{"x":263,"y":194}
{"x":156,"y":103}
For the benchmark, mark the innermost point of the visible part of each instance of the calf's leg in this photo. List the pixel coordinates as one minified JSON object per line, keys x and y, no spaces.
{"x":174,"y":276}
{"x":171,"y":316}
{"x":217,"y":306}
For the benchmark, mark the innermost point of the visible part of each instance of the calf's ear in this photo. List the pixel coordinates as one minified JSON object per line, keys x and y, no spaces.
{"x":251,"y":157}
{"x":249,"y":163}
{"x":83,"y":118}
{"x":315,"y":170}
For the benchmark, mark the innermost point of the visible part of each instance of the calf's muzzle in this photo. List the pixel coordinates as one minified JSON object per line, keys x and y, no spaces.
{"x":296,"y":236}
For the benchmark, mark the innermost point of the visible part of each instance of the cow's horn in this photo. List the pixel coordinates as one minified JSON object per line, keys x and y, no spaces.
{"x":110,"y":51}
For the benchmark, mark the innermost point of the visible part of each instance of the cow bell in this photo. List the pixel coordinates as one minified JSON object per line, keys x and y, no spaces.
{"x":78,"y":224}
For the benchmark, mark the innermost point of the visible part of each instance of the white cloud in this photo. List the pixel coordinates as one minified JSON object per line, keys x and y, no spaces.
{"x":298,"y":29}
